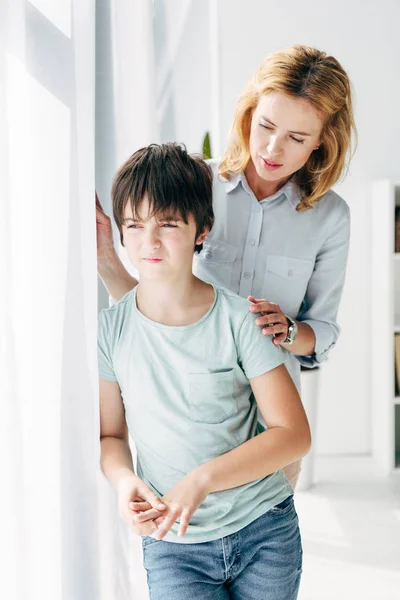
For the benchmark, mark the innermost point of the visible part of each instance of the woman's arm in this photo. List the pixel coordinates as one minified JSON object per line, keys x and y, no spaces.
{"x":112,"y":272}
{"x":318,"y":329}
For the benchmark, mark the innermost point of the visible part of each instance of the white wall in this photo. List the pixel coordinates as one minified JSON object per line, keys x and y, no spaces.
{"x":181,"y":38}
{"x":363,"y":36}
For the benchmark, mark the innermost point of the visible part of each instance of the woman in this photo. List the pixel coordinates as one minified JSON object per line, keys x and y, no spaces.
{"x":281,"y":234}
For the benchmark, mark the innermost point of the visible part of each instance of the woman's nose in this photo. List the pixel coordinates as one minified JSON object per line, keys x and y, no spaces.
{"x":274,"y":147}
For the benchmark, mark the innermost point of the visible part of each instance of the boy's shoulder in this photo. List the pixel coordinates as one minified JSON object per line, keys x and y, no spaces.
{"x":237,"y":307}
{"x":113,"y":317}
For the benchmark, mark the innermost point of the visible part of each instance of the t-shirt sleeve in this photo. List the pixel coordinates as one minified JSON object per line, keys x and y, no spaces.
{"x":104,"y":348}
{"x":257,"y":354}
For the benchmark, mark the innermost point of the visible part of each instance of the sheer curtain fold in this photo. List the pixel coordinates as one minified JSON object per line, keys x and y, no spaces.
{"x":61,"y":535}
{"x":49,"y":424}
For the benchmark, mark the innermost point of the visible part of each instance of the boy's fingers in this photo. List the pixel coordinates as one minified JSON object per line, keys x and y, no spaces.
{"x":184,"y":522}
{"x":150,"y":496}
{"x":144,"y":528}
{"x":148,"y":515}
{"x":166,"y":526}
{"x":139,"y":506}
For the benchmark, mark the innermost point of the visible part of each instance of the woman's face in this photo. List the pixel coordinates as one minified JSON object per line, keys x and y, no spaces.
{"x":284,"y":132}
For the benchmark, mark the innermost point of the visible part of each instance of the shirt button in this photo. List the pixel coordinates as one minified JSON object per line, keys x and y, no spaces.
{"x":290,"y":272}
{"x":208,"y":255}
{"x":259,"y":209}
{"x":252,"y":242}
{"x":247,"y":275}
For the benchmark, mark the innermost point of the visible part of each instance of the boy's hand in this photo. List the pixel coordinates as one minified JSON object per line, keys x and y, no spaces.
{"x":105,"y":243}
{"x":182,"y":501}
{"x":130,"y":489}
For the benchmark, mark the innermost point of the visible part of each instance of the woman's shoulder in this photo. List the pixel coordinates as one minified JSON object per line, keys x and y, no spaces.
{"x":332,"y":206}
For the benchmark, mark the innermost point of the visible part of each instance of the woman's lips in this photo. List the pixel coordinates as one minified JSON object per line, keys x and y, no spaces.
{"x":153,"y":260}
{"x":270,"y":165}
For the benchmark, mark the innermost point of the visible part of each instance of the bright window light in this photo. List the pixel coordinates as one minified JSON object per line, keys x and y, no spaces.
{"x":56,"y":11}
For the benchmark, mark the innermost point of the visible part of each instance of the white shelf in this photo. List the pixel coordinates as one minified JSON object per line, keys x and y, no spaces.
{"x":397,"y":400}
{"x":396,"y":255}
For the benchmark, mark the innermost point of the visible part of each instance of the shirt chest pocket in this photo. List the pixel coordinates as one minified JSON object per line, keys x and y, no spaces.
{"x":285,"y":282}
{"x":211,"y":396}
{"x":215,"y":262}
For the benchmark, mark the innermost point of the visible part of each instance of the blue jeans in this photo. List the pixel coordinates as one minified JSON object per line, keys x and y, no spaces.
{"x":262,"y":561}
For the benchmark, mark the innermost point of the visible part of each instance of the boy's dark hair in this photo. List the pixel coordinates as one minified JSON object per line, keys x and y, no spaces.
{"x":173,"y":181}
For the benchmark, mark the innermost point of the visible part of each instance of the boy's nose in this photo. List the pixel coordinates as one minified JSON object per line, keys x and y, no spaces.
{"x":153,"y":239}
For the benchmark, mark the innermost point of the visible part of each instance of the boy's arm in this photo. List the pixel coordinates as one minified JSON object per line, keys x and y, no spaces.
{"x":116,"y":457}
{"x":287,"y":438}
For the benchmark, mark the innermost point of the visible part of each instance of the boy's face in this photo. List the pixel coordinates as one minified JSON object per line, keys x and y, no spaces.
{"x":161,"y":247}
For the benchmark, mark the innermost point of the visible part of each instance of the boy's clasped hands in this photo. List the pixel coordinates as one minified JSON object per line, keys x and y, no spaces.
{"x":148,"y":515}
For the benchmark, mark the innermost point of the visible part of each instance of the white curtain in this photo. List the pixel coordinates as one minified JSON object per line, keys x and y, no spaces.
{"x":61,"y":537}
{"x":53,"y":521}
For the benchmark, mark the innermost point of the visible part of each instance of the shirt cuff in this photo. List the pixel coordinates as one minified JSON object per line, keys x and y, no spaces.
{"x":326,"y":336}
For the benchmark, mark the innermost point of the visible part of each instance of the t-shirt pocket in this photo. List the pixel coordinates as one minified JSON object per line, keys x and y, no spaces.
{"x":286,"y":280}
{"x":211,"y":396}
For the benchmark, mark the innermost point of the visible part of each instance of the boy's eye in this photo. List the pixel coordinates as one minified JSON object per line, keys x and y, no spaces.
{"x":133,"y":226}
{"x":168,"y":225}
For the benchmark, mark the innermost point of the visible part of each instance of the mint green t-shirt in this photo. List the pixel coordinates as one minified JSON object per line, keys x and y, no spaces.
{"x":188,"y":400}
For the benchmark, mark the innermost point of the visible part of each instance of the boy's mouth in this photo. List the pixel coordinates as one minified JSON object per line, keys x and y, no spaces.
{"x":152,"y":259}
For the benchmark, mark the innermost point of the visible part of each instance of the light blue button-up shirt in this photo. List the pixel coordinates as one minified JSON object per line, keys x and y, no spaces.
{"x":267,"y":249}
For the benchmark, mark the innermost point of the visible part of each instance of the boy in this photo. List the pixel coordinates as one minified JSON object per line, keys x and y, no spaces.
{"x":183,"y":367}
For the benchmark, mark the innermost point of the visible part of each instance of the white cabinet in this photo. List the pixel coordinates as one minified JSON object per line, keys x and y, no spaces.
{"x":385,"y":322}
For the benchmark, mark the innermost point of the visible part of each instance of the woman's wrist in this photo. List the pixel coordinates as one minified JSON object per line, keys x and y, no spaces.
{"x":113,"y":274}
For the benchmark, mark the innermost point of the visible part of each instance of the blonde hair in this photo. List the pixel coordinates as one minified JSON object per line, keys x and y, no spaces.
{"x":308,"y":73}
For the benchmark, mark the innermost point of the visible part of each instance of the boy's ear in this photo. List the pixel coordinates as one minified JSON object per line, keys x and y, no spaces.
{"x":200,"y":239}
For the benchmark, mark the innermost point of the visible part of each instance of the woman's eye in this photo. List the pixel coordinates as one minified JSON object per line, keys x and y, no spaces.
{"x":265,"y":127}
{"x":296,"y":140}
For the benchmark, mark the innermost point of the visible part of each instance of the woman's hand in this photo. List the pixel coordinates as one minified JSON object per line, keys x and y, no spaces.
{"x":105,"y":243}
{"x":273,"y":320}
{"x":182,"y":501}
{"x":133,"y":489}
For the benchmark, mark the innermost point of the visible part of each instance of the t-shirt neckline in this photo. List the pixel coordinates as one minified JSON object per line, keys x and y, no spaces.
{"x":174,"y":327}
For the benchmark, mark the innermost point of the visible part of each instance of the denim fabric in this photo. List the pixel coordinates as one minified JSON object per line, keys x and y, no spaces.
{"x":262,"y":561}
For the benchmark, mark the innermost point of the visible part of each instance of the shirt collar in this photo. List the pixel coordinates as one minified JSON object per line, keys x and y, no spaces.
{"x":290,"y":189}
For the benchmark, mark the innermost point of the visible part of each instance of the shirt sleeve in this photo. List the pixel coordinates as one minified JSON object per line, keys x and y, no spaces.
{"x":321,"y":303}
{"x":257,"y":354}
{"x":104,"y":348}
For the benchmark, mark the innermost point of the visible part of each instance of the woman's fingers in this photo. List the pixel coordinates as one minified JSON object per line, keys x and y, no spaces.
{"x":272,"y":319}
{"x":264,"y":306}
{"x":279,"y":339}
{"x":98,"y":204}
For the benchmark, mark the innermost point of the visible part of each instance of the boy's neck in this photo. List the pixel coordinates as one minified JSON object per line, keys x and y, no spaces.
{"x":175,"y":303}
